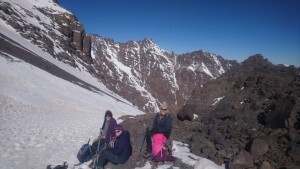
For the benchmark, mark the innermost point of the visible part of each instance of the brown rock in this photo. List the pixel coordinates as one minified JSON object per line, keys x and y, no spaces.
{"x":265,"y":165}
{"x":259,"y":147}
{"x":295,"y":153}
{"x":243,"y":160}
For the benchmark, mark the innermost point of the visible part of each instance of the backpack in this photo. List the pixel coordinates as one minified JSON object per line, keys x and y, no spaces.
{"x":85,"y":153}
{"x":158,"y":149}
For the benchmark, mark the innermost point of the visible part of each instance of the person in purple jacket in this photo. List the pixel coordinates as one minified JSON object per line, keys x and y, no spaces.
{"x":107,"y":131}
{"x":118,"y":153}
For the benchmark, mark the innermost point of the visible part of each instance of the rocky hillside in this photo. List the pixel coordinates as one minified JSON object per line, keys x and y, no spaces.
{"x":139,"y":71}
{"x":248,"y":117}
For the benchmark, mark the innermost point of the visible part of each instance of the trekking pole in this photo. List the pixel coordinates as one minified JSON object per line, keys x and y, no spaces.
{"x":98,"y":148}
{"x":143,"y":142}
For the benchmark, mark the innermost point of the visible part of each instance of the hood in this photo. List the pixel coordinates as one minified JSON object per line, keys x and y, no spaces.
{"x":108,"y":112}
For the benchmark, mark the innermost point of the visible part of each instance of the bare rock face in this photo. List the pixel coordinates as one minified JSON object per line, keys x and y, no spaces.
{"x":52,"y":28}
{"x":86,"y":48}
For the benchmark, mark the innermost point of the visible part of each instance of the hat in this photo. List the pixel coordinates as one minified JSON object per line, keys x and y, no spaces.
{"x":119,"y":127}
{"x":108,"y":113}
{"x":164,"y":105}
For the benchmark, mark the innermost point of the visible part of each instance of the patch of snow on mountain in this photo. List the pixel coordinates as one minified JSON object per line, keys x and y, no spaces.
{"x":93,"y":55}
{"x":206,"y":70}
{"x":220,"y":68}
{"x":217,"y":100}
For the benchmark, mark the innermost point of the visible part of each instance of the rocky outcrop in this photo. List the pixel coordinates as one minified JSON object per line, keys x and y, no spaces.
{"x":50,"y":27}
{"x":250,"y":115}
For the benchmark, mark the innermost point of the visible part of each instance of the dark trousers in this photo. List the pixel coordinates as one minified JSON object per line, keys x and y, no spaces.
{"x":149,"y":134}
{"x":107,"y":156}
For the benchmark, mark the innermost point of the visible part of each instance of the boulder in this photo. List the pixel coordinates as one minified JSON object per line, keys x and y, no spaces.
{"x":243,"y":160}
{"x":265,"y":165}
{"x":186,"y":113}
{"x":295,"y":153}
{"x":259,"y":147}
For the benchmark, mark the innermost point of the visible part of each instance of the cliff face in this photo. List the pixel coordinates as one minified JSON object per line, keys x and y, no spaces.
{"x":50,"y":27}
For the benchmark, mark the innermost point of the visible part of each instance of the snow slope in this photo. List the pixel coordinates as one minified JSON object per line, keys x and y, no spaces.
{"x":44,"y":119}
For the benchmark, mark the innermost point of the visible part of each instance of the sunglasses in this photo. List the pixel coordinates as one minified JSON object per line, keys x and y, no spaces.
{"x":163,"y":109}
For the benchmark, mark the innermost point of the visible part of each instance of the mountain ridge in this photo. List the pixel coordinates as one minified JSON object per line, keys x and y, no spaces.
{"x":140,"y":71}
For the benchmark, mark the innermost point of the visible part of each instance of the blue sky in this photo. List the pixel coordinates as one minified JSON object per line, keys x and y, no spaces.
{"x":234,"y":29}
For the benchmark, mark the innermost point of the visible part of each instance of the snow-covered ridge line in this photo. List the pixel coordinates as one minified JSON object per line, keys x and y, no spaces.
{"x":85,"y":77}
{"x":53,"y":69}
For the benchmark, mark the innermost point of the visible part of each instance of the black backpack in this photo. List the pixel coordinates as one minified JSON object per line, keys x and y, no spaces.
{"x":85,"y":153}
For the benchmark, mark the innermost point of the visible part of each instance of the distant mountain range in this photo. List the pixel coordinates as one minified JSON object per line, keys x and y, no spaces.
{"x":139,"y":71}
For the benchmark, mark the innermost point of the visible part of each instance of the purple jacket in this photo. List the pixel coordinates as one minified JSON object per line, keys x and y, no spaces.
{"x":110,"y":131}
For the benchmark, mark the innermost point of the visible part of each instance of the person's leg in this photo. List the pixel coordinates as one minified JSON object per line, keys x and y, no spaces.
{"x":101,"y":159}
{"x":107,"y":156}
{"x":149,"y":135}
{"x":169,"y":144}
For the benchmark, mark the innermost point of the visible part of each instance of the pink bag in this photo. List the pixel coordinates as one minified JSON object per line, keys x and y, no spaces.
{"x":158,"y":143}
{"x":158,"y":149}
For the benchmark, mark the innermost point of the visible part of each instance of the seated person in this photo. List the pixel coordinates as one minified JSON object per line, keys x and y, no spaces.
{"x":107,"y":131}
{"x":162,"y":124}
{"x":119,"y":152}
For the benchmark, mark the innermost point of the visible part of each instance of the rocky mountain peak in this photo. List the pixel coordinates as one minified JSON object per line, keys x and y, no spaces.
{"x":257,"y":61}
{"x":147,"y":42}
